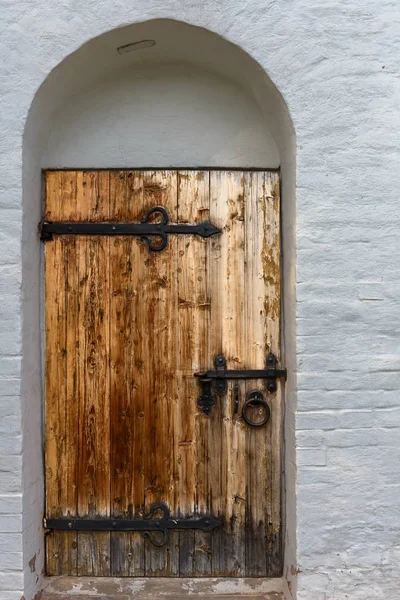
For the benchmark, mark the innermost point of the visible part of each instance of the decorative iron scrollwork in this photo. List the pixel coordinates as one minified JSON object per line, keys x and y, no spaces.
{"x":148,"y":525}
{"x":146,"y":229}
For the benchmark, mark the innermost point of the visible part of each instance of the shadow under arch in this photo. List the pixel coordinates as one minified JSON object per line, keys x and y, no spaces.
{"x":250,"y":127}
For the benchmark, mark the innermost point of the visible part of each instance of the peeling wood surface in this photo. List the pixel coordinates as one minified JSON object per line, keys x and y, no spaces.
{"x":126,"y":329}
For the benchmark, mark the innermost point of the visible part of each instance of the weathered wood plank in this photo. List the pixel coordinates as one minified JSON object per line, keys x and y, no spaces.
{"x":193,"y":354}
{"x":55,"y":378}
{"x":126,"y":337}
{"x":159,"y":297}
{"x":227,"y":318}
{"x":61,"y":400}
{"x":53,"y":195}
{"x":59,"y":445}
{"x":272,"y":278}
{"x":94,"y":378}
{"x":258,"y":450}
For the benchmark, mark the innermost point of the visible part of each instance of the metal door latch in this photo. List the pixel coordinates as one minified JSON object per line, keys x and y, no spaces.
{"x":207,"y":400}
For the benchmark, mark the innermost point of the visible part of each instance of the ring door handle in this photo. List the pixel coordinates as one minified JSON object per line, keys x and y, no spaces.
{"x":256,"y":400}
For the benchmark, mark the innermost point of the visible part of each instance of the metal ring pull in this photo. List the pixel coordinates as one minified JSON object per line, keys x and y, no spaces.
{"x":255,"y":399}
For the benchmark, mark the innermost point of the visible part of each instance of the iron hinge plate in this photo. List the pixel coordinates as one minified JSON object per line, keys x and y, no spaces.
{"x":146,"y":229}
{"x":146,"y":525}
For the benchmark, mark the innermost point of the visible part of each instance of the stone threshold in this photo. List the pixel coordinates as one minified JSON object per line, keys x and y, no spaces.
{"x":125,"y":588}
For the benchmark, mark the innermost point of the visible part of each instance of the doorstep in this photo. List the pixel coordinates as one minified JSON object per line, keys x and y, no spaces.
{"x":124,"y":588}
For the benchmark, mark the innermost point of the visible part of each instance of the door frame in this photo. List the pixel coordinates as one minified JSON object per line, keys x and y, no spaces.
{"x":204,"y":585}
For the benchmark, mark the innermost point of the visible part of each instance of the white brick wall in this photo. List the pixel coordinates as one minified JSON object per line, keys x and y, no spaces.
{"x":336,"y":64}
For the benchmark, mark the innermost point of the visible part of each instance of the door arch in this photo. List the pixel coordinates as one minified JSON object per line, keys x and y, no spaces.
{"x":199,"y":51}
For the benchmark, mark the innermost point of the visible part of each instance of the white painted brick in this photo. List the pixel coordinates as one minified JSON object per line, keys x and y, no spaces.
{"x":310,"y":439}
{"x":363,"y":437}
{"x":10,"y":366}
{"x":363,"y":418}
{"x":311,"y":456}
{"x":350,"y":381}
{"x":366,"y":461}
{"x":10,"y":425}
{"x":10,"y":504}
{"x":10,"y":542}
{"x":10,"y":235}
{"x":311,"y":475}
{"x":10,"y":442}
{"x":10,"y":280}
{"x":11,"y":581}
{"x":10,"y":406}
{"x":10,"y":474}
{"x":347,"y":584}
{"x":7,"y":307}
{"x":10,"y":463}
{"x":9,"y":197}
{"x":344,"y":399}
{"x":9,"y":387}
{"x":10,"y":342}
{"x":11,"y":561}
{"x":12,"y":594}
{"x":371,"y":290}
{"x":10,"y":482}
{"x":10,"y":523}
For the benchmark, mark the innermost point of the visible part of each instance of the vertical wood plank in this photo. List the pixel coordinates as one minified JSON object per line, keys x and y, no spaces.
{"x":57,"y":455}
{"x":61,"y":399}
{"x":272,"y":278}
{"x":227,"y":318}
{"x":94,"y":379}
{"x":193,"y":355}
{"x":159,"y":321}
{"x":215,"y":461}
{"x":258,"y":441}
{"x":126,"y":337}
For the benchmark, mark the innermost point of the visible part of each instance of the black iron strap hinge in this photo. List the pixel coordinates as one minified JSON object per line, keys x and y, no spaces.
{"x":221,"y":374}
{"x":146,"y":525}
{"x":145,"y":229}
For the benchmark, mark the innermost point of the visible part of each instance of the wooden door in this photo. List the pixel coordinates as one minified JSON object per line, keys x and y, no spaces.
{"x":126,"y":329}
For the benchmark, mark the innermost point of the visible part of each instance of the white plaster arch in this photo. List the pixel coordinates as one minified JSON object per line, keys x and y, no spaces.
{"x":80,"y":117}
{"x":160,"y":115}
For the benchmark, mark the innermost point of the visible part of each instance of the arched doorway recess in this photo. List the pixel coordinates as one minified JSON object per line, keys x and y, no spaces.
{"x":191,"y":100}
